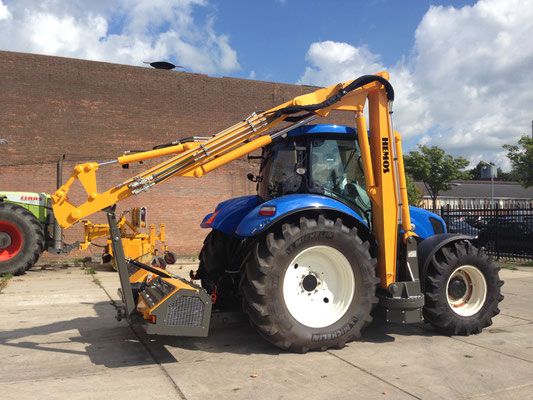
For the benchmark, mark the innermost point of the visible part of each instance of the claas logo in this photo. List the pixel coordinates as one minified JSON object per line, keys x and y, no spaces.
{"x":30,"y":198}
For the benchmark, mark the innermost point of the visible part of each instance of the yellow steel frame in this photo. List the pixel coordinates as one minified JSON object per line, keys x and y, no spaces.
{"x":137,"y":245}
{"x":385,"y":176}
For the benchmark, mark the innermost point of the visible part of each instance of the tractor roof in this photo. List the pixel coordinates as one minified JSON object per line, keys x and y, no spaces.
{"x":323,"y":128}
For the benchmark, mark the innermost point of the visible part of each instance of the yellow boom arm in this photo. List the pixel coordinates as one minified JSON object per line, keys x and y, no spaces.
{"x":380,"y":150}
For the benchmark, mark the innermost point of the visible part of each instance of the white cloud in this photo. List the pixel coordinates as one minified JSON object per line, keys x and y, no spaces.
{"x":334,"y":62}
{"x":4,"y":12}
{"x":121,"y":31}
{"x":466,"y":87}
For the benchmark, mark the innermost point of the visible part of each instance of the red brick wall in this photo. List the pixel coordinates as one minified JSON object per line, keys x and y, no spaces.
{"x":93,"y":111}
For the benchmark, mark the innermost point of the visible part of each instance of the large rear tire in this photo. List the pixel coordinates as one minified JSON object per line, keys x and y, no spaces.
{"x":310,"y":285}
{"x":21,"y":239}
{"x":462,"y":289}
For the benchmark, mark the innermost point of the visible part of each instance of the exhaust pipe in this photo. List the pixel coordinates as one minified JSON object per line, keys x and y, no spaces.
{"x":58,"y":231}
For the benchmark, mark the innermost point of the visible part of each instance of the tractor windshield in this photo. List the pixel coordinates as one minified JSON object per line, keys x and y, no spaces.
{"x":333,"y":168}
{"x":336,"y":167}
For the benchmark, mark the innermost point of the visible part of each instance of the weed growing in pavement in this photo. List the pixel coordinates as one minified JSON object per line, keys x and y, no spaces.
{"x":4,"y":280}
{"x":90,"y":271}
{"x":511,"y":267}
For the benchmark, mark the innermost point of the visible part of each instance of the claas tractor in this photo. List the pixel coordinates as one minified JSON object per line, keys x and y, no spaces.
{"x":328,"y":238}
{"x":27,"y":229}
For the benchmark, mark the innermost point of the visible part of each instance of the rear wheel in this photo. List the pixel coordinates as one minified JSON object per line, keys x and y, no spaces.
{"x":170,"y":257}
{"x":462,"y":290}
{"x":310,"y":285}
{"x":21,"y":239}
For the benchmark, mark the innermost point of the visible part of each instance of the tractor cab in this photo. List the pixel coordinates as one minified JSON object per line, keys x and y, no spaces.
{"x":316,"y":159}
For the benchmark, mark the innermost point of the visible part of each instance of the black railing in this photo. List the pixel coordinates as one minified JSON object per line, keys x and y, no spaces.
{"x":504,"y":232}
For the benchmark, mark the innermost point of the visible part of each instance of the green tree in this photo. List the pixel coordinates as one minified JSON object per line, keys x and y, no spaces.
{"x":414,"y":194}
{"x":436,"y":169}
{"x":521,"y":157}
{"x":504,"y":176}
{"x":475,"y":173}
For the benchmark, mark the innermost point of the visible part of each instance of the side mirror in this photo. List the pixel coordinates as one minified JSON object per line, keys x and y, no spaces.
{"x":254,"y":178}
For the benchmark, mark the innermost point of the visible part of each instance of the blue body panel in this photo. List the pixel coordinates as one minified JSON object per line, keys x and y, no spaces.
{"x":253,"y":223}
{"x":241,"y":214}
{"x":420,"y":219}
{"x":230,"y":213}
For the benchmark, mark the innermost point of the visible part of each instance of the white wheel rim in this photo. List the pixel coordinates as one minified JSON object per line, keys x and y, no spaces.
{"x":318,"y":286}
{"x":473,"y":298}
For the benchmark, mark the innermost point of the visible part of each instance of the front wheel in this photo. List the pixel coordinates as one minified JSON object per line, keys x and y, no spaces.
{"x":310,"y":284}
{"x":462,"y":289}
{"x":159,"y":262}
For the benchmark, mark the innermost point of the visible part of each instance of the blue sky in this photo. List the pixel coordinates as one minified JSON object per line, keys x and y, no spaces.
{"x":273,"y":37}
{"x":461,"y":69}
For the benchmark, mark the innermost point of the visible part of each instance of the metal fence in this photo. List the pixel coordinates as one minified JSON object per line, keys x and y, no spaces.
{"x":504,"y":232}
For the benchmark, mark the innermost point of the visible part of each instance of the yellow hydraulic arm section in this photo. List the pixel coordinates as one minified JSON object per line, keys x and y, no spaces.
{"x":380,"y":150}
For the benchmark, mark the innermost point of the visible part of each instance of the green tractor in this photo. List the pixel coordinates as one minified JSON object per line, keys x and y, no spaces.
{"x":27,"y":229}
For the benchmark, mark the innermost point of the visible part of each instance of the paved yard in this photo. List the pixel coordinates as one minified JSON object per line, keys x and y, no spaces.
{"x":59,"y":340}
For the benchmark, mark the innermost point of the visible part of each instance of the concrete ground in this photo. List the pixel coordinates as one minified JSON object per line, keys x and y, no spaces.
{"x":59,"y":340}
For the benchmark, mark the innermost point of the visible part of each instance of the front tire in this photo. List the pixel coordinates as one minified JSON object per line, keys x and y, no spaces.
{"x":21,"y":239}
{"x":310,"y":284}
{"x":462,"y":289}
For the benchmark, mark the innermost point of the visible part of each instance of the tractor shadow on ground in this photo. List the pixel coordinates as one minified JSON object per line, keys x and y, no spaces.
{"x":229,"y":332}
{"x":383,"y":332}
{"x":380,"y":331}
{"x":117,"y":344}
{"x":241,"y":338}
{"x":238,"y":339}
{"x":101,"y":338}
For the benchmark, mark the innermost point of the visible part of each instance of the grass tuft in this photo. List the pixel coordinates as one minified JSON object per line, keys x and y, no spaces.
{"x":90,"y":271}
{"x":511,"y":267}
{"x":4,"y":281}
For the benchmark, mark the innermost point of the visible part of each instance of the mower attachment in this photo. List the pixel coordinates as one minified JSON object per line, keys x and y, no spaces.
{"x":164,"y":304}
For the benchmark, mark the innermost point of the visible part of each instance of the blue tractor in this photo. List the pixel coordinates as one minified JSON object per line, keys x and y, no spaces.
{"x":312,"y":212}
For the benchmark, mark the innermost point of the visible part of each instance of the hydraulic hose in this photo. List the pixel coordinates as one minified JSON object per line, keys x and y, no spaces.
{"x":357,"y":83}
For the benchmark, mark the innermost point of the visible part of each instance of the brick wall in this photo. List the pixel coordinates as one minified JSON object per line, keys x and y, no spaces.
{"x":93,"y":111}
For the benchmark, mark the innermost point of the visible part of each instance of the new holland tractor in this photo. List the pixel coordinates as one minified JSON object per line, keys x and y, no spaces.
{"x":327,"y":239}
